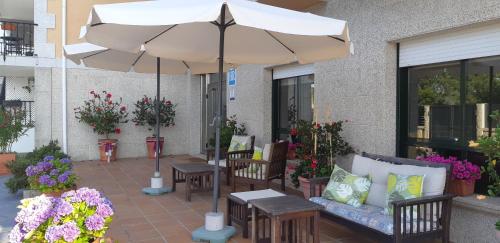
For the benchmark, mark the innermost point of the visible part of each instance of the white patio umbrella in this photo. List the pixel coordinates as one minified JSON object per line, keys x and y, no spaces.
{"x":103,"y":58}
{"x":235,"y":31}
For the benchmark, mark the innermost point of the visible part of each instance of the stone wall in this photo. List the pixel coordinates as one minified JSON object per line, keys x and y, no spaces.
{"x":183,"y":90}
{"x":362,"y":88}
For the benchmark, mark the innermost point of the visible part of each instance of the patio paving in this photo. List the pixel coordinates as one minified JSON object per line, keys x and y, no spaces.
{"x":8,"y":209}
{"x":166,"y":218}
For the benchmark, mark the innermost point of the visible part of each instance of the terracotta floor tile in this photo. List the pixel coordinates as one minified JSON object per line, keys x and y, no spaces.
{"x":167,"y":218}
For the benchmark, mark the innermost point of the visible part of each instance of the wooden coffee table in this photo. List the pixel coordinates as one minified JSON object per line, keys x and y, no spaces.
{"x":197,"y":176}
{"x":292,"y":219}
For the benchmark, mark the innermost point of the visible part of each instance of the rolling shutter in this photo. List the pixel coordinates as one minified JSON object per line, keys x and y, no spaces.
{"x":474,"y":42}
{"x":292,"y":70}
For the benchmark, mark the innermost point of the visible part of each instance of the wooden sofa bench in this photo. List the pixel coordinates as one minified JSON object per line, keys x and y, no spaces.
{"x":433,"y":209}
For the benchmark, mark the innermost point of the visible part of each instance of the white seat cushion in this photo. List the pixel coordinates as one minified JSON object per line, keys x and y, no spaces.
{"x":222,"y":162}
{"x":251,"y":195}
{"x":266,"y":152}
{"x":434,"y":182}
{"x":252,"y":173}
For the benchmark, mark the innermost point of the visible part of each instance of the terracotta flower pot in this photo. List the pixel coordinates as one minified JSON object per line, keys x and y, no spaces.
{"x":461,"y":187}
{"x":106,"y":145}
{"x":291,"y":154}
{"x":59,"y":193}
{"x":150,"y":144}
{"x":4,"y":159}
{"x":306,"y":187}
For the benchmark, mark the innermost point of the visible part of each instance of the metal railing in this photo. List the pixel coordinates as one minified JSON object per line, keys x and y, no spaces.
{"x":16,"y":38}
{"x":26,"y":106}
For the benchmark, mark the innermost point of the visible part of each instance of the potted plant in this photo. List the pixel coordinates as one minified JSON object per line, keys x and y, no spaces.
{"x":83,"y":215}
{"x":318,"y":146}
{"x":145,"y":115}
{"x":229,"y":128}
{"x":490,"y":146}
{"x":51,"y":176}
{"x":11,"y":129}
{"x":104,"y":115}
{"x":463,"y":175}
{"x":19,"y":179}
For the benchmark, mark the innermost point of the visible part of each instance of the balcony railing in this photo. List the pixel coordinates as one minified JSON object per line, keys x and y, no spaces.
{"x":16,"y":38}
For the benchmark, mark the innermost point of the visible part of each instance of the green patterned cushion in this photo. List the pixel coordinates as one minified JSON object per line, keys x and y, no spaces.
{"x":236,"y":145}
{"x":257,"y":153}
{"x":347,"y":188}
{"x":400,"y":187}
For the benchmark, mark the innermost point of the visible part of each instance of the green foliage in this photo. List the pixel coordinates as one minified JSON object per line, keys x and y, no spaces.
{"x":478,"y":89}
{"x":497,"y":225}
{"x":11,"y":127}
{"x":102,"y":113}
{"x":329,"y":141}
{"x":490,"y":146}
{"x":19,"y":180}
{"x":319,"y":161}
{"x":229,"y":128}
{"x":442,"y":89}
{"x":145,"y":113}
{"x":310,"y":169}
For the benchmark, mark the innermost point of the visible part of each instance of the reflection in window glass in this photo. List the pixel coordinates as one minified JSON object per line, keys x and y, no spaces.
{"x":434,"y":103}
{"x":483,"y":95}
{"x":295,"y":102}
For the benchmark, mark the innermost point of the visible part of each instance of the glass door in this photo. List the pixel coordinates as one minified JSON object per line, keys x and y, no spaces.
{"x":210,"y":91}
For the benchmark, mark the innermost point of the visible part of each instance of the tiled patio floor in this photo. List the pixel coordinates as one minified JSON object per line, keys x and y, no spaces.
{"x":166,"y":218}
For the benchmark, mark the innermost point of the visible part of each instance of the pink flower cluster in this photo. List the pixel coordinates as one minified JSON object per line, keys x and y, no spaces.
{"x":461,"y":169}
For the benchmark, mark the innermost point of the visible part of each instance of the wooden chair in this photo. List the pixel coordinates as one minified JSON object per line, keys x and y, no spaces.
{"x":226,"y":156}
{"x":253,"y":172}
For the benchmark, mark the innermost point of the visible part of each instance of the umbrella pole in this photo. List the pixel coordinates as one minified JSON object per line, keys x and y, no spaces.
{"x":157,"y":109}
{"x":157,"y":187}
{"x":222,"y":27}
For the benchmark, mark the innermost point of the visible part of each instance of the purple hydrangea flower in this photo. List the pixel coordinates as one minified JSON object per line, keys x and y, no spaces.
{"x":48,"y":158}
{"x":64,"y":177}
{"x":70,"y":231}
{"x":94,"y":222}
{"x":46,"y":180}
{"x":54,"y":172}
{"x":69,"y":194}
{"x":65,"y":160}
{"x":45,"y":166}
{"x":61,"y":209}
{"x":16,"y":235}
{"x":32,"y":170}
{"x":91,"y":196}
{"x":53,"y":233}
{"x":36,"y":212}
{"x":104,"y":210}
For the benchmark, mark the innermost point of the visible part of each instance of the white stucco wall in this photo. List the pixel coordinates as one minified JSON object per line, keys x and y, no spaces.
{"x":183,"y":90}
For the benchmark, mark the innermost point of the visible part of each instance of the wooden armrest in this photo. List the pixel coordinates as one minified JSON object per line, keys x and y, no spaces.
{"x":317,"y":181}
{"x":422,"y":200}
{"x":249,"y":161}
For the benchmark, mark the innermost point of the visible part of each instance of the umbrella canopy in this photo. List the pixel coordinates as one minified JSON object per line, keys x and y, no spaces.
{"x":235,"y":31}
{"x":103,"y":58}
{"x":185,"y":30}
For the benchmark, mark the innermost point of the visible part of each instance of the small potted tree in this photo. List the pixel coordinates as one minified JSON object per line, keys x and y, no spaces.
{"x":104,"y":115}
{"x":317,"y":148}
{"x":145,"y":115}
{"x":11,"y":129}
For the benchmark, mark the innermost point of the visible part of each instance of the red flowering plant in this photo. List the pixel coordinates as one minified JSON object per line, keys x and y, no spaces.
{"x":102,"y":113}
{"x":145,"y":113}
{"x":318,"y":146}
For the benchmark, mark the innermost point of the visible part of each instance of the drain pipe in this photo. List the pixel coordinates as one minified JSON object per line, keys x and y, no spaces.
{"x":63,"y":81}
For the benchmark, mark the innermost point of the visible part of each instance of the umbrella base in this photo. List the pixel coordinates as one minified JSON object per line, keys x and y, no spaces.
{"x":156,"y":191}
{"x":220,"y":236}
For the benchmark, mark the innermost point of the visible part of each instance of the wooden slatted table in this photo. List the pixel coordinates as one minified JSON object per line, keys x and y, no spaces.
{"x":197,"y":176}
{"x":291,"y":219}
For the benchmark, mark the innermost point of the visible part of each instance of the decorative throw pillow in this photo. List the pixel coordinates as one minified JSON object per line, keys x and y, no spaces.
{"x":347,"y":188}
{"x":257,"y":153}
{"x":238,"y":143}
{"x":400,"y":187}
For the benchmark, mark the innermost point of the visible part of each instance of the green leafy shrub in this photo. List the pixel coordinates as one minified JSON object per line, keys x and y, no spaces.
{"x":229,"y":128}
{"x":11,"y":127}
{"x":19,"y":180}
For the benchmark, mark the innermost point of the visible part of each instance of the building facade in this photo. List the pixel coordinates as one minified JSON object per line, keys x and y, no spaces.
{"x":365,"y":88}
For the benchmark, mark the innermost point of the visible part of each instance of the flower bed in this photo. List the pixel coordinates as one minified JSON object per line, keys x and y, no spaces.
{"x":77,"y":216}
